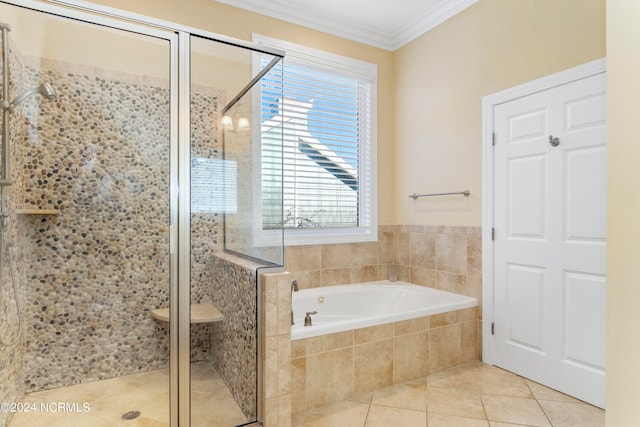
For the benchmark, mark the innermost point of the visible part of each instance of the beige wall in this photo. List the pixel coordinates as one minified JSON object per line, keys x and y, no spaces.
{"x":232,"y":22}
{"x":623,"y":92}
{"x":442,"y":76}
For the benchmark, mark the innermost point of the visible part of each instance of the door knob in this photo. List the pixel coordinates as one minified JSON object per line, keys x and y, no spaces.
{"x":554,"y":141}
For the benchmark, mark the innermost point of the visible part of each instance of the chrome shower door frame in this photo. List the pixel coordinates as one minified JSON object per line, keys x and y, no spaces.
{"x":178,"y":37}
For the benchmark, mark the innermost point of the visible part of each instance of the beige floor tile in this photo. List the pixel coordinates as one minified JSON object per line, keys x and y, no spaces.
{"x":564,"y":414}
{"x":481,"y":378}
{"x":541,"y":392}
{"x":462,"y":403}
{"x":215,"y":411}
{"x":499,"y":424}
{"x":362,"y":398}
{"x":385,"y":416}
{"x":439,"y":420}
{"x":411,"y":395}
{"x":515,"y":410}
{"x":339,"y":414}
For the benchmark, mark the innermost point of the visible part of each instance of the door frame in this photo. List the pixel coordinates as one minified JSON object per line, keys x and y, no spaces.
{"x":489,"y":103}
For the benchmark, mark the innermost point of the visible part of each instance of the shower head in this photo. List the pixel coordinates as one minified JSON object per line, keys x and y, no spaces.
{"x":44,"y":89}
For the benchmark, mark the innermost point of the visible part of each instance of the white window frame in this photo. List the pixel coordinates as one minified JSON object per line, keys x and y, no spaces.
{"x":367,"y":231}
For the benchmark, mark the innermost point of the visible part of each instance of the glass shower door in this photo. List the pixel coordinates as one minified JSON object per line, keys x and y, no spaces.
{"x":88,"y":214}
{"x":225,"y":200}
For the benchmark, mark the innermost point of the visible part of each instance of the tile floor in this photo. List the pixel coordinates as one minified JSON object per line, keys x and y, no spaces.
{"x":474,"y":395}
{"x":211,"y":402}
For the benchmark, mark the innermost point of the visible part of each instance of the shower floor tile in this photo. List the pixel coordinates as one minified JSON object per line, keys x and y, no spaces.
{"x":148,"y":393}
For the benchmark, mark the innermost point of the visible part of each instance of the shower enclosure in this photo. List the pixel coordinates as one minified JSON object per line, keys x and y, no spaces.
{"x":130,"y":183}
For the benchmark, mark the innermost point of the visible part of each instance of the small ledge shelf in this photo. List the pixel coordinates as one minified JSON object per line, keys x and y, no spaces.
{"x":200,"y":313}
{"x":36,"y":211}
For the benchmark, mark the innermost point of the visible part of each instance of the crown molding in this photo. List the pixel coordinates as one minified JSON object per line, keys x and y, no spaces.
{"x":354,"y":31}
{"x":429,"y":20}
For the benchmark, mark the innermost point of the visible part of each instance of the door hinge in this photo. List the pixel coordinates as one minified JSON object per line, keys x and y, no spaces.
{"x":493,"y":329}
{"x":493,"y":138}
{"x":493,"y":233}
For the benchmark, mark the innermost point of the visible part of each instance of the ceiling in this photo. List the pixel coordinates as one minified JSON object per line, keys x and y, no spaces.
{"x":387,"y":24}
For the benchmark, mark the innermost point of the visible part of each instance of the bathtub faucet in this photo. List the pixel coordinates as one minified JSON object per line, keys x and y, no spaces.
{"x":294,"y":288}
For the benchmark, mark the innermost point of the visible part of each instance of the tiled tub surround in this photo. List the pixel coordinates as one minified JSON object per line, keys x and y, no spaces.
{"x":337,"y":366}
{"x":441,"y":257}
{"x":447,"y":258}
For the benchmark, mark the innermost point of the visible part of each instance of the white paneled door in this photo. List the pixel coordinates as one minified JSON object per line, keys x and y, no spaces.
{"x":550,"y":237}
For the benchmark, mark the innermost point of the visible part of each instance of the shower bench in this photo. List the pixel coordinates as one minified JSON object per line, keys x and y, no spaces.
{"x":200,"y":313}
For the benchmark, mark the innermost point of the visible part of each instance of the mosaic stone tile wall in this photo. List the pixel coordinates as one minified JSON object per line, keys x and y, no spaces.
{"x":100,"y":154}
{"x":234,"y":340}
{"x":205,"y":103}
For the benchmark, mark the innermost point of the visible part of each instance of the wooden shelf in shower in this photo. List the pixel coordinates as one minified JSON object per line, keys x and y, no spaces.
{"x":36,"y":211}
{"x":200,"y":313}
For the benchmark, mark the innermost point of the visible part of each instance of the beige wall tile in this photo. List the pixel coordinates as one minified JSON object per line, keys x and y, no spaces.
{"x":422,"y":250}
{"x":410,"y":357}
{"x":373,"y":333}
{"x":451,"y":282}
{"x":385,"y":246}
{"x":284,"y":305}
{"x":298,"y":258}
{"x":474,"y":255}
{"x":284,"y":410}
{"x":336,"y":276}
{"x":298,"y":385}
{"x":422,"y":276}
{"x":284,"y":364}
{"x":271,"y":367}
{"x":469,"y":341}
{"x":364,"y":254}
{"x":363,"y":274}
{"x":473,"y":287}
{"x":373,"y":366}
{"x":329,"y":342}
{"x":457,"y":316}
{"x":404,"y":273}
{"x":298,"y":349}
{"x":307,"y":279}
{"x":467,"y":314}
{"x":411,"y":326}
{"x":271,"y":412}
{"x":451,"y":253}
{"x":270,"y":309}
{"x":401,"y":248}
{"x":329,"y":377}
{"x":479,"y":340}
{"x":336,"y":256}
{"x":383,"y":272}
{"x":451,"y":229}
{"x":445,"y":347}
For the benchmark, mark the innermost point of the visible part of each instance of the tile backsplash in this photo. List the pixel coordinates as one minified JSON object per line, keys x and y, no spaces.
{"x":442,"y":257}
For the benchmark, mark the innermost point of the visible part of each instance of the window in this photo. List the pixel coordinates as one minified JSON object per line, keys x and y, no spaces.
{"x":214,"y":185}
{"x":325,"y":109}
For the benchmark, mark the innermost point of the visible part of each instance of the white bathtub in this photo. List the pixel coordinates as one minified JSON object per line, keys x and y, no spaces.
{"x":346,"y":307}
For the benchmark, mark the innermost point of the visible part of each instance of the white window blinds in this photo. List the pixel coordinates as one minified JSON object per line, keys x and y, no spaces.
{"x":324,"y":109}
